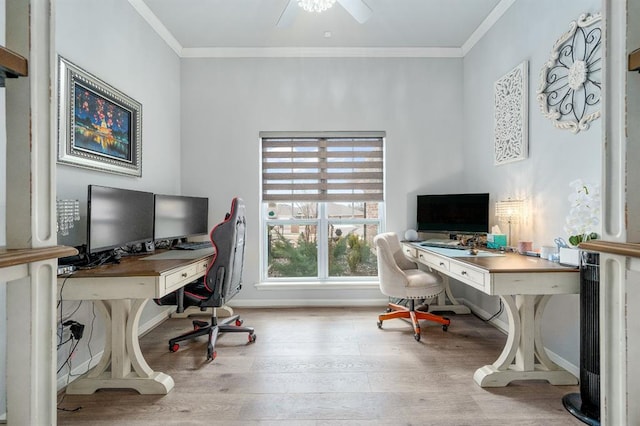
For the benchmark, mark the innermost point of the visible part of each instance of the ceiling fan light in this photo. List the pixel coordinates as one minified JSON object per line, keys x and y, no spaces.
{"x":316,"y":5}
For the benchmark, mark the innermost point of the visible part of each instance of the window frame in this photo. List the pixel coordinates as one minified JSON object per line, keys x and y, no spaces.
{"x":322,"y":221}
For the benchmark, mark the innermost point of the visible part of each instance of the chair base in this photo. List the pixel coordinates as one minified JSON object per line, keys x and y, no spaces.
{"x":212,"y":329}
{"x":399,"y":311}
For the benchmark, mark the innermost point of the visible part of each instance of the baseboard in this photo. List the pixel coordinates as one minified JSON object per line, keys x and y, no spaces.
{"x":154,"y":321}
{"x":303,"y":303}
{"x":478,"y":311}
{"x":84,"y":367}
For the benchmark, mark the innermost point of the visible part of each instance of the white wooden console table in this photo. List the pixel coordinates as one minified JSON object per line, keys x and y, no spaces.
{"x":121,"y":291}
{"x":525,"y":285}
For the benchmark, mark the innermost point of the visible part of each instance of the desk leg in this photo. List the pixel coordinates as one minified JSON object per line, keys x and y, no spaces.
{"x":122,"y":364}
{"x":441,"y":304}
{"x":523,"y":356}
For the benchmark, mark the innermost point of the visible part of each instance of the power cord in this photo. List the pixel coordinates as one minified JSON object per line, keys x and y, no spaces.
{"x":494,"y":315}
{"x":77,"y":331}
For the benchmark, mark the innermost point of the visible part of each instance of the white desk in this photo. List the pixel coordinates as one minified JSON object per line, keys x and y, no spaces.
{"x":525,"y":285}
{"x":120,"y":292}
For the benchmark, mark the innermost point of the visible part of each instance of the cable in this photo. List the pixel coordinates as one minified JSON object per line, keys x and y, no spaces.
{"x":67,"y":361}
{"x":93,"y":319}
{"x":492,"y":316}
{"x":61,"y":344}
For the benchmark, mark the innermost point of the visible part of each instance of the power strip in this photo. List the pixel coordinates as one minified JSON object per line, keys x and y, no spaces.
{"x":66,"y":269}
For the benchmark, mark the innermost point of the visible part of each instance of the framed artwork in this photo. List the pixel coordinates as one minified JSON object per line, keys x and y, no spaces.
{"x":510,"y":115}
{"x":571,"y":80}
{"x":99,"y":126}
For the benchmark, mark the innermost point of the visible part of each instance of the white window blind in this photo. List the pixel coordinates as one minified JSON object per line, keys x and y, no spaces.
{"x":322,"y":168}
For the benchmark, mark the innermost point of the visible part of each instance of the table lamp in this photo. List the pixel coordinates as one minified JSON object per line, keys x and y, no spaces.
{"x":67,"y":212}
{"x":509,"y":211}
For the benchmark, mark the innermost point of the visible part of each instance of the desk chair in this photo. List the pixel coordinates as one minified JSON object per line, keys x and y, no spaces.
{"x":222,"y":281}
{"x":401,"y":278}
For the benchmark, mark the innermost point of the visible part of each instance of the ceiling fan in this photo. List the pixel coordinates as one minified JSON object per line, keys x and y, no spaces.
{"x":356,"y":8}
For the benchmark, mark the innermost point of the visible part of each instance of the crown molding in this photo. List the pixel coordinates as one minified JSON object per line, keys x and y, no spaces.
{"x":486,"y":25}
{"x":320,"y":52}
{"x":143,"y":10}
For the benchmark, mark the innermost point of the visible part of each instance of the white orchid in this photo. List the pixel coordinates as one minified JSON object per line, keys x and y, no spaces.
{"x":584,"y":217}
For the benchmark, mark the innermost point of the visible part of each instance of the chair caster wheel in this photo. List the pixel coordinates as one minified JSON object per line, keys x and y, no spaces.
{"x":445,"y":327}
{"x":174,"y":347}
{"x":211,"y":355}
{"x":197,"y":325}
{"x":239,"y":322}
{"x":252,"y":338}
{"x":417,"y":337}
{"x":379,"y":324}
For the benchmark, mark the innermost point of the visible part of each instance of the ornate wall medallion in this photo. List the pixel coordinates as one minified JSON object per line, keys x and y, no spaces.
{"x":571,"y":80}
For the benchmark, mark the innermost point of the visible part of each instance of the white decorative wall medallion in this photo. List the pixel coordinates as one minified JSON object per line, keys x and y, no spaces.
{"x":510,"y":116}
{"x":571,"y":80}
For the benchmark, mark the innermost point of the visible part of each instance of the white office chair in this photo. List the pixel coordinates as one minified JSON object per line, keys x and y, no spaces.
{"x":401,"y":278}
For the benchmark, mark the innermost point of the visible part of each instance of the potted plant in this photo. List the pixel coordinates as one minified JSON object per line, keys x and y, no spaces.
{"x":583,"y":220}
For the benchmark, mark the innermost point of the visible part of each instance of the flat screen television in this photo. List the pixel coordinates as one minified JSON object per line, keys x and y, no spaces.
{"x":453,"y":213}
{"x":178,"y":217}
{"x":118,"y":217}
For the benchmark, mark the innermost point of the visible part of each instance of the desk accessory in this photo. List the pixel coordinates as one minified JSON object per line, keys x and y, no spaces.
{"x":510,"y":211}
{"x":524,"y":246}
{"x":496,"y":241}
{"x":569,"y":256}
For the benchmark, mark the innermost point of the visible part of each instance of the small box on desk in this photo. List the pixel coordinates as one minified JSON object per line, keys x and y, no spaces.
{"x":496,"y":241}
{"x":569,"y":256}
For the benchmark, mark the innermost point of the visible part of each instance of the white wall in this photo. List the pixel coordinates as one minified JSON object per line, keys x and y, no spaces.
{"x":227,"y":102}
{"x":118,"y":46}
{"x":110,"y":40}
{"x":528,"y":31}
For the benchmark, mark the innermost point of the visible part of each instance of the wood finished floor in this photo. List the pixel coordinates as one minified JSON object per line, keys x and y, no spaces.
{"x":326,"y":366}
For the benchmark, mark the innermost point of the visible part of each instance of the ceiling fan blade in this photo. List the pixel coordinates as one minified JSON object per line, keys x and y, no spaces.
{"x":288,"y":14}
{"x":358,"y":9}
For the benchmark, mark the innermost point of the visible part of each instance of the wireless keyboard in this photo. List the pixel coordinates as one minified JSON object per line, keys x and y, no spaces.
{"x":193,"y":245}
{"x":443,"y":245}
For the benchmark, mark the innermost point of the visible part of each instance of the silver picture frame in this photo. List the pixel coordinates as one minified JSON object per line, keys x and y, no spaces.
{"x":99,"y":127}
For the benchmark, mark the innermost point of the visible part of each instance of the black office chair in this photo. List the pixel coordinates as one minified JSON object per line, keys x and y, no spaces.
{"x":222,"y":281}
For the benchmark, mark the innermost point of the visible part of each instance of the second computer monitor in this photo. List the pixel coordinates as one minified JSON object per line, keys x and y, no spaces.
{"x":178,"y":216}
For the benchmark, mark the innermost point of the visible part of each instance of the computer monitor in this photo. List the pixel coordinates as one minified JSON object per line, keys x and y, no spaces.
{"x":118,"y":217}
{"x":453,"y":213}
{"x":178,"y":216}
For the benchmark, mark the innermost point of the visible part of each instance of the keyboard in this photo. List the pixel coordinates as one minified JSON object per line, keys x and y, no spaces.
{"x":450,"y":244}
{"x":192,"y":245}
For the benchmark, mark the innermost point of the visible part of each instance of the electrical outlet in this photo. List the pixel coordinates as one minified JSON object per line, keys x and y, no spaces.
{"x":64,"y":334}
{"x":77,"y":330}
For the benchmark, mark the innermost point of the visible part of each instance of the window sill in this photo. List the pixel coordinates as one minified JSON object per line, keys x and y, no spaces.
{"x":318,"y":285}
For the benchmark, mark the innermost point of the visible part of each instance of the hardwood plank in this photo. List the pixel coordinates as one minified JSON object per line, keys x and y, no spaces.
{"x":327,"y":366}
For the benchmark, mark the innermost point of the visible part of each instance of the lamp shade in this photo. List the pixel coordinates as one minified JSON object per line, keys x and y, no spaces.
{"x":510,"y":210}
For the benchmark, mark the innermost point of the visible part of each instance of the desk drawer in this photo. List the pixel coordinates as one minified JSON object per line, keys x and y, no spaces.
{"x":409,"y":251}
{"x":468,"y":275}
{"x":179,"y":278}
{"x":434,"y":261}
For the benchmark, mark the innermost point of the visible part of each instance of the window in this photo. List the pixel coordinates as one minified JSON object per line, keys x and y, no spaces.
{"x":322,"y":199}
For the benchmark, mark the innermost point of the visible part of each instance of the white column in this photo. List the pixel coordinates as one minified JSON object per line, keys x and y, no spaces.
{"x":31,"y":339}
